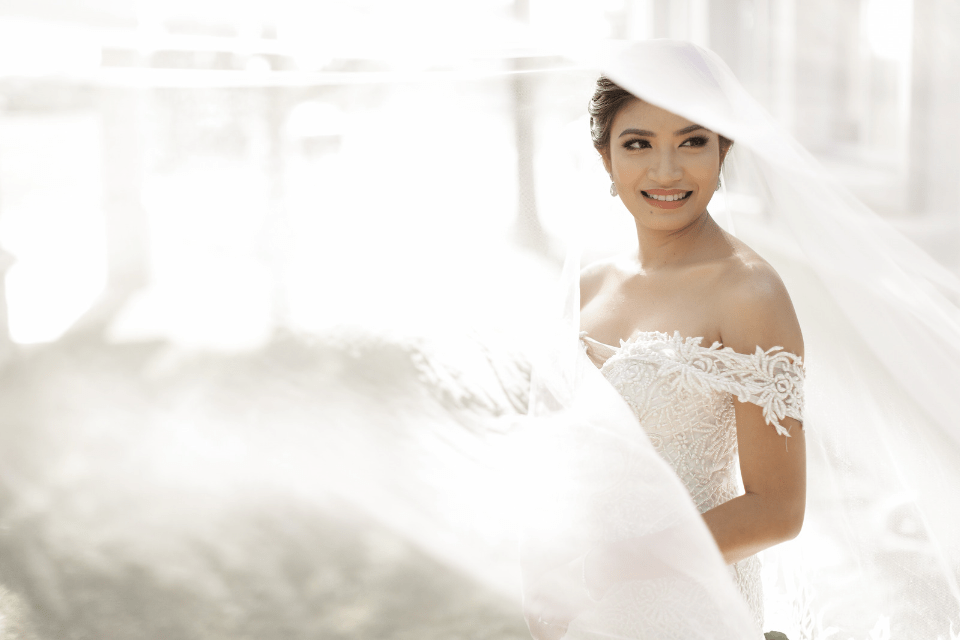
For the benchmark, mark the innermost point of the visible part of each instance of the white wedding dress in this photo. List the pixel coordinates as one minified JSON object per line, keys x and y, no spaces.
{"x":630,"y":453}
{"x":682,"y":394}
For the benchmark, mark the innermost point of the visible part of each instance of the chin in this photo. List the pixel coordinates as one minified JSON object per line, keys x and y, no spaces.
{"x":663,"y":220}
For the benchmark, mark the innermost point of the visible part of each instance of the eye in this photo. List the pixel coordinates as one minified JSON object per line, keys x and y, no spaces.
{"x":636,"y":143}
{"x":695,"y":141}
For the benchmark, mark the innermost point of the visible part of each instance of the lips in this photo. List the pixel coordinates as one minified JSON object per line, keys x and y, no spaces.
{"x":666,"y":198}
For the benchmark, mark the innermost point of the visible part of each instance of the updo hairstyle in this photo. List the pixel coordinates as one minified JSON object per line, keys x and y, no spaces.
{"x":606,"y":102}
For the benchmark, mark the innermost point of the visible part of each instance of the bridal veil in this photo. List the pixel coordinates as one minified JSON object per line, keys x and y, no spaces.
{"x":879,"y":555}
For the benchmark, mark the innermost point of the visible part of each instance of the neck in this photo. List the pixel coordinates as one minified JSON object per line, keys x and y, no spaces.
{"x":663,"y":249}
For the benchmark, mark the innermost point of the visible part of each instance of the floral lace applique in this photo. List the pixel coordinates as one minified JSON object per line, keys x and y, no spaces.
{"x":771,"y":379}
{"x":682,"y":395}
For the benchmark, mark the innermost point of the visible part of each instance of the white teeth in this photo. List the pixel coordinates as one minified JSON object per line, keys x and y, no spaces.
{"x":679,"y":196}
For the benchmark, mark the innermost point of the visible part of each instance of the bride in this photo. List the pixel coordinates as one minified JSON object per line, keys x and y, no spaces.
{"x":697,"y":334}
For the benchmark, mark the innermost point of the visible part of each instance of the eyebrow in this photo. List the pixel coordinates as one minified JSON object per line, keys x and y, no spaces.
{"x":651,"y":134}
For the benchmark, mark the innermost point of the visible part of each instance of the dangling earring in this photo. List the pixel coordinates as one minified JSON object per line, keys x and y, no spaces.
{"x":613,"y":189}
{"x":719,"y":184}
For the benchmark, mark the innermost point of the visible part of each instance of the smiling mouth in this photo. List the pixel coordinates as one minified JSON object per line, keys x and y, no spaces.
{"x":667,"y":198}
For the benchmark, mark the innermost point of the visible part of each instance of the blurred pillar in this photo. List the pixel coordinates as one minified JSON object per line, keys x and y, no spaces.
{"x":127,"y":230}
{"x":276,"y":109}
{"x":726,"y":31}
{"x":755,"y":50}
{"x":660,"y":14}
{"x":638,"y":20}
{"x":528,"y":228}
{"x":934,"y":155}
{"x":6,"y":344}
{"x":685,"y":20}
{"x":820,"y":105}
{"x":933,"y":171}
{"x":784,"y":58}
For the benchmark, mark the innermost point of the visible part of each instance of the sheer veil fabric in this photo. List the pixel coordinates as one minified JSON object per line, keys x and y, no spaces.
{"x":879,"y":555}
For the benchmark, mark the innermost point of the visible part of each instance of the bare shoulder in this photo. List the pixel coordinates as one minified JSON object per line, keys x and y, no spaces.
{"x":756,"y":306}
{"x":593,"y":276}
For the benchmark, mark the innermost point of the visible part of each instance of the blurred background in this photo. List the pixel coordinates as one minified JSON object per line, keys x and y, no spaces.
{"x":225,"y":227}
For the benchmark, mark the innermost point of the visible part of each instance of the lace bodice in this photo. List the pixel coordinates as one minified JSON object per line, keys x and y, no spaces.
{"x":682,"y":394}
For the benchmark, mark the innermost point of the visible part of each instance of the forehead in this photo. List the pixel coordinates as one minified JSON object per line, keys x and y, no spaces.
{"x":637,"y":114}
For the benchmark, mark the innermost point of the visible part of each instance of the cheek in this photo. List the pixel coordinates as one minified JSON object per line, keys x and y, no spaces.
{"x":629,"y":167}
{"x":704,"y":168}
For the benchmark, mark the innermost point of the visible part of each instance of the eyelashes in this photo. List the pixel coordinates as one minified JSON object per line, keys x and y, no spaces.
{"x":696,"y":141}
{"x":642,"y":143}
{"x":636,"y":143}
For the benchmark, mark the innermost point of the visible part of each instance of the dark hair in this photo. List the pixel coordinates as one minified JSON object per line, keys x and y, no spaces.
{"x":606,"y":102}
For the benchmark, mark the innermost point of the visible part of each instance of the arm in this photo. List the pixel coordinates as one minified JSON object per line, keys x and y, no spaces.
{"x":774,"y":478}
{"x":759,"y":312}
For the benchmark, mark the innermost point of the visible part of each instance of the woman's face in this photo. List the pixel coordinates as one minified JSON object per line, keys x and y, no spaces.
{"x":665,"y":167}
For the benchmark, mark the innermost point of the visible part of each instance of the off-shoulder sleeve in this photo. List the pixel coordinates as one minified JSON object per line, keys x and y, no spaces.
{"x":772,"y":380}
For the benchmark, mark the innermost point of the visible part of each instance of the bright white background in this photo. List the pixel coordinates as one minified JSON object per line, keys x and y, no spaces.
{"x":226,"y":227}
{"x":207,"y":171}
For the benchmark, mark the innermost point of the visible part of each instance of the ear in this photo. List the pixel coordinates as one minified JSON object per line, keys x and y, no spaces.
{"x":605,"y":156}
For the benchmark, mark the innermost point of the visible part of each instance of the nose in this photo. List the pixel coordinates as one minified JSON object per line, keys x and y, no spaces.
{"x":665,"y":168}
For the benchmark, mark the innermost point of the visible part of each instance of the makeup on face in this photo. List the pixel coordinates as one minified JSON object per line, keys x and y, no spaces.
{"x":662,"y":163}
